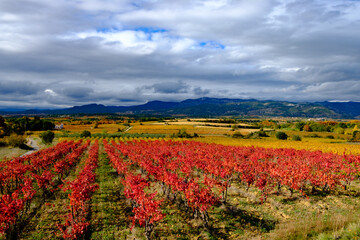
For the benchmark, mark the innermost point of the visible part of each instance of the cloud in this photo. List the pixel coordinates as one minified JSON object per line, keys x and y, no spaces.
{"x":50,"y":92}
{"x":77,"y":92}
{"x":168,"y":87}
{"x":18,"y":87}
{"x":127,"y":52}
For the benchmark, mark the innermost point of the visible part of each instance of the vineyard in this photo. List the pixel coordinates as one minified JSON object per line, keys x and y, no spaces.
{"x":166,"y":189}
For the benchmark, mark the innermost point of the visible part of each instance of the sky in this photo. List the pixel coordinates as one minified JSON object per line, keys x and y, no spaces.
{"x":56,"y":54}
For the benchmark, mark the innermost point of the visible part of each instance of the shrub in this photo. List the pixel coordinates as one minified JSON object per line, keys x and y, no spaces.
{"x":256,"y":135}
{"x":85,"y":134}
{"x":296,"y":138}
{"x":356,"y":136}
{"x":182,"y":134}
{"x":47,"y":137}
{"x":314,"y":135}
{"x":330,"y":137}
{"x":339,"y":130}
{"x":2,"y":143}
{"x":262,"y":133}
{"x":307,"y":128}
{"x":237,"y":135}
{"x":15,"y":140}
{"x":281,"y":135}
{"x":65,"y":133}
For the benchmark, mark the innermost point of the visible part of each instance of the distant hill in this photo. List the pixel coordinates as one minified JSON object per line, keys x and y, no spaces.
{"x":347,"y":109}
{"x":215,"y":107}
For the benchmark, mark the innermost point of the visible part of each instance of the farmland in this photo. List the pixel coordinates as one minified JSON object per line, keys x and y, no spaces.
{"x":213,"y":186}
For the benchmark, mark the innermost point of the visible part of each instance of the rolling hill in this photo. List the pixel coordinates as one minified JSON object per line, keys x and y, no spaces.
{"x":214,"y":107}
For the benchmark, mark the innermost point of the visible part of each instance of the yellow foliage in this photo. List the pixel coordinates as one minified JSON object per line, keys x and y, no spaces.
{"x":160,"y":128}
{"x":310,"y":144}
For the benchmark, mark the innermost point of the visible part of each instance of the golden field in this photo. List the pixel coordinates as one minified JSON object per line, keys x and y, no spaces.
{"x":324,"y":145}
{"x":221,"y":134}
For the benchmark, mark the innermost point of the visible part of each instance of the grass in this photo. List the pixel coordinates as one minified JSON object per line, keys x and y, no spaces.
{"x":352,"y":231}
{"x":10,"y":152}
{"x":109,"y":209}
{"x":313,"y":226}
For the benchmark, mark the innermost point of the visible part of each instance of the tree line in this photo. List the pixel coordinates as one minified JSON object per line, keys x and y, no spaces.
{"x":21,"y":125}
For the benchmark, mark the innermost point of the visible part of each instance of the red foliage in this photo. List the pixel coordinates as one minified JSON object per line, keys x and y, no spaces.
{"x":81,"y":190}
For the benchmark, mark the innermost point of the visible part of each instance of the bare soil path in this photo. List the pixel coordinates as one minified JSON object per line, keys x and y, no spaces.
{"x":33,"y":144}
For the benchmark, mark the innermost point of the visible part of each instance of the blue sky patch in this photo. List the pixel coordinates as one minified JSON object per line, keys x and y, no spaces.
{"x":150,"y":30}
{"x":147,"y":30}
{"x":211,"y":44}
{"x":107,"y":30}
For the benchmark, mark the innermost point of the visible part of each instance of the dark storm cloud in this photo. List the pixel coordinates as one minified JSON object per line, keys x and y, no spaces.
{"x":77,"y":92}
{"x":169,"y":87}
{"x":18,"y":87}
{"x":64,"y":53}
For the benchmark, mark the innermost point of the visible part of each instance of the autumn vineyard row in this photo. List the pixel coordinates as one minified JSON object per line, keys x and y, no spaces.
{"x":195,"y":176}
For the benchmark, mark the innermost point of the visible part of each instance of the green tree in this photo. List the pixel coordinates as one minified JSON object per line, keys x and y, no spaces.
{"x":182,"y":134}
{"x":47,"y":137}
{"x":300,"y":125}
{"x":281,"y":135}
{"x":355,"y":136}
{"x":3,"y":126}
{"x":85,"y":134}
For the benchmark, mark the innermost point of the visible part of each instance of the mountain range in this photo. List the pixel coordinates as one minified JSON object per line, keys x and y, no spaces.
{"x":214,"y":107}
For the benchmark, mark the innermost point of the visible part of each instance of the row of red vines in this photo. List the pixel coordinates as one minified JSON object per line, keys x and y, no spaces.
{"x":46,"y":180}
{"x":199,"y":196}
{"x":64,"y":165}
{"x":81,"y":190}
{"x":12,"y":172}
{"x":266,"y":168}
{"x":16,"y":180}
{"x":145,"y":207}
{"x":173,"y":163}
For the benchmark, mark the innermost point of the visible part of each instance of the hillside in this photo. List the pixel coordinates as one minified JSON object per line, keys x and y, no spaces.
{"x":214,"y":107}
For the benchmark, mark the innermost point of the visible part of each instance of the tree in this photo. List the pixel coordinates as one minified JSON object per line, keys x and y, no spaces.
{"x":2,"y":122}
{"x":300,"y":125}
{"x":307,"y":128}
{"x":47,"y":137}
{"x":47,"y":125}
{"x":182,"y":134}
{"x":356,"y":136}
{"x":85,"y":134}
{"x":15,"y":140}
{"x":2,"y":126}
{"x":281,"y":135}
